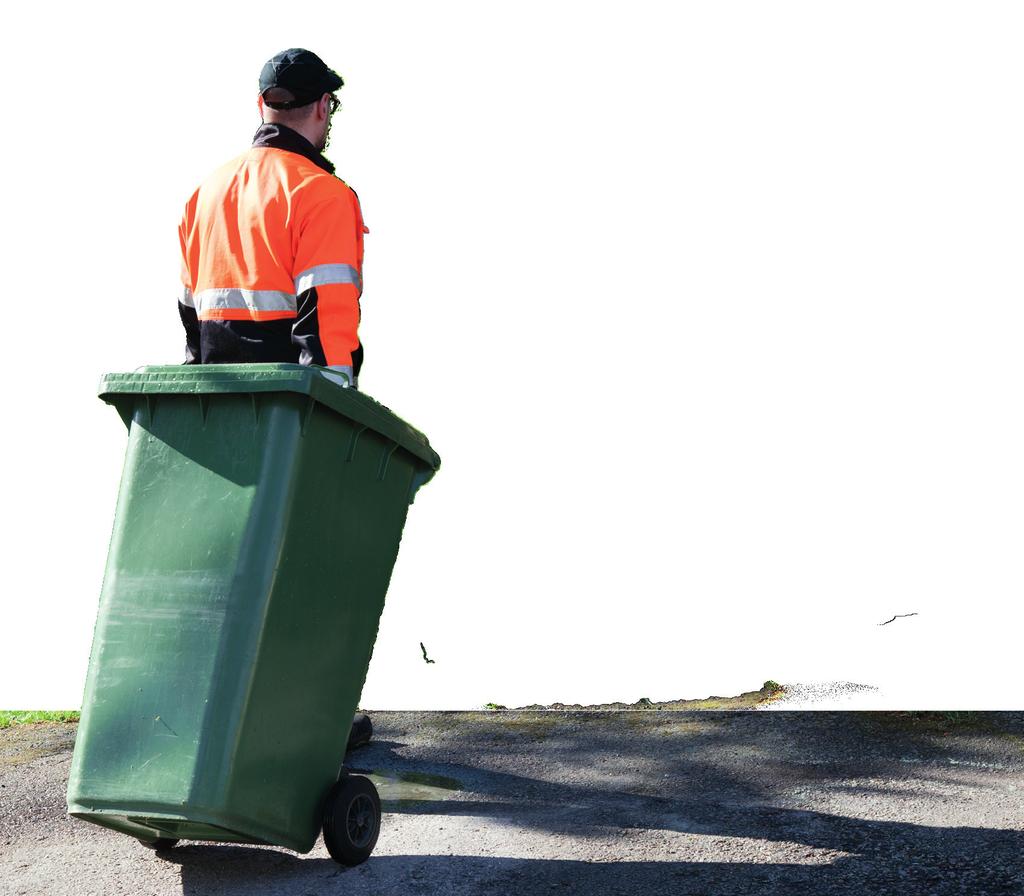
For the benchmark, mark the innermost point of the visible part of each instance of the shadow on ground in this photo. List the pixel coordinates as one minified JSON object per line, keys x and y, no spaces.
{"x":711,"y":797}
{"x":215,"y":876}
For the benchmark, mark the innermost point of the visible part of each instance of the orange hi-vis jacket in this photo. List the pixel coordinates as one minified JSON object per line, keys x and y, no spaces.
{"x":272,"y":259}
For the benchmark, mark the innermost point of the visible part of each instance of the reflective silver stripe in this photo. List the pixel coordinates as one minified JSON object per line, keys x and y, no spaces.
{"x":322,"y":274}
{"x":186,"y":297}
{"x":252,"y":299}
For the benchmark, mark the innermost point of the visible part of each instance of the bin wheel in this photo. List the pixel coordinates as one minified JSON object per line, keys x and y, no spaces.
{"x":351,"y":820}
{"x":160,"y":844}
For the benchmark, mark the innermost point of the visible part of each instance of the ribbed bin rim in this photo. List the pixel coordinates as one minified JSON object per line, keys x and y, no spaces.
{"x":205,"y":379}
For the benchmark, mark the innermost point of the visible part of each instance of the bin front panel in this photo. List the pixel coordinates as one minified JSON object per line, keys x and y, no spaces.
{"x":174,"y":630}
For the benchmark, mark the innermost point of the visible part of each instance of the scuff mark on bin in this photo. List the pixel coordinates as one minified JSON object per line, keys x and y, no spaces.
{"x":148,"y":761}
{"x":168,"y":727}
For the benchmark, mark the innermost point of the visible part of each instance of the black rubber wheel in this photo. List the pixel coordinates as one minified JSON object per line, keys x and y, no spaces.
{"x":160,"y":844}
{"x":362,"y":731}
{"x":351,"y":820}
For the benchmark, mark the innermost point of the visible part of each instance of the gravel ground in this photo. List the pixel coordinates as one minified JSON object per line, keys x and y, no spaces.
{"x":594,"y":802}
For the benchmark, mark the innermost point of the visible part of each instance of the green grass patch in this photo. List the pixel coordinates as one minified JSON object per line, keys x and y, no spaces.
{"x":10,"y":717}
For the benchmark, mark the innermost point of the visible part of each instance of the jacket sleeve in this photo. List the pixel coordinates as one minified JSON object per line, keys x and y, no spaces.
{"x":186,"y":307}
{"x":328,"y":282}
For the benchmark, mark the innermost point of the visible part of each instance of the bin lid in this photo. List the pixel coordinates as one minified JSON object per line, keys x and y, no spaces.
{"x":199,"y":379}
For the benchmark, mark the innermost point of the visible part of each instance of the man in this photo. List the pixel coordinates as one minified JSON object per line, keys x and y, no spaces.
{"x":272,"y":244}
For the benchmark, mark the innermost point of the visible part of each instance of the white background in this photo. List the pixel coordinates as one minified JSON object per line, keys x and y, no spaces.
{"x":712,"y":311}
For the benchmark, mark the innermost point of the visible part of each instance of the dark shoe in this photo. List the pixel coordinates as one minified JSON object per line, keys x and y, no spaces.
{"x":361,"y":732}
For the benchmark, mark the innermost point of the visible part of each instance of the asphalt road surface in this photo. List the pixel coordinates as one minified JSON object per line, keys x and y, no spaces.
{"x":598,"y":803}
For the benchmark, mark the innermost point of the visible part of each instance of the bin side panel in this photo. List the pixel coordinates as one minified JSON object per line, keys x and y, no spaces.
{"x":351,"y":500}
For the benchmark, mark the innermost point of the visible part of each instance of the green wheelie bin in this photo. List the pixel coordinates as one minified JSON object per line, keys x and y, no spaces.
{"x":258,"y":520}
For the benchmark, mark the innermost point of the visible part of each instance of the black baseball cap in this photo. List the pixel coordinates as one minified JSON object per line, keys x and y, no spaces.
{"x":302,"y":73}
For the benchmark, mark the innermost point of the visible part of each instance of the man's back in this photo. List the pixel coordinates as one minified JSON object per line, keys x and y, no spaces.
{"x":272,"y":253}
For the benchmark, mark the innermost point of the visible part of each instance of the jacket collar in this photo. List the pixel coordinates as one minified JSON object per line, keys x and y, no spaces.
{"x":278,"y":136}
